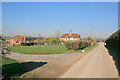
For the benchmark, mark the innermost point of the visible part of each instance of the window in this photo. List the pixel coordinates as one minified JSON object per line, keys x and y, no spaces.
{"x":17,"y":41}
{"x":71,"y":38}
{"x":66,"y":38}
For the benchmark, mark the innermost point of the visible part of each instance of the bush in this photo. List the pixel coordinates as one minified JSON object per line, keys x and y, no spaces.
{"x":72,"y":45}
{"x":84,"y":44}
{"x":52,"y":40}
{"x":28,"y":44}
{"x":41,"y":43}
{"x":92,"y":40}
{"x":77,"y":44}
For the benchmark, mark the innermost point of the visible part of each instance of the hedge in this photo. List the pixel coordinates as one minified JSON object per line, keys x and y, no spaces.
{"x":28,"y":44}
{"x":72,"y":44}
{"x":114,"y":40}
{"x":76,"y":44}
{"x":84,"y":44}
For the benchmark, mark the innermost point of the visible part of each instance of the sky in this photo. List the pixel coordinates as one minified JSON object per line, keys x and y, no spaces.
{"x":99,"y":19}
{"x":60,"y":0}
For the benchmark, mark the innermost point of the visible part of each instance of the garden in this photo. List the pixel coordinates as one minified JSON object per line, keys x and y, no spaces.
{"x":54,"y":48}
{"x":13,"y":69}
{"x":38,"y":49}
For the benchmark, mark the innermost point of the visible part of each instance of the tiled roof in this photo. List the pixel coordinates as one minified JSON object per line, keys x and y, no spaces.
{"x":36,"y":40}
{"x":73,"y":35}
{"x":17,"y":37}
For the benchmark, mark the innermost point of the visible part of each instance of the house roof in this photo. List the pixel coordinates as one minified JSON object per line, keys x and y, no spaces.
{"x":36,"y":40}
{"x":17,"y":37}
{"x":73,"y":35}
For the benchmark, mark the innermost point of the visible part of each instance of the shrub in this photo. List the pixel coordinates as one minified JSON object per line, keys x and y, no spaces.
{"x":41,"y":43}
{"x":84,"y":44}
{"x":52,"y":40}
{"x":77,"y":44}
{"x":72,"y":45}
{"x":92,"y":40}
{"x":28,"y":44}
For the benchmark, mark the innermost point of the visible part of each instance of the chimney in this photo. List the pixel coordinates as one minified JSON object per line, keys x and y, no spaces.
{"x":24,"y":37}
{"x":70,"y":32}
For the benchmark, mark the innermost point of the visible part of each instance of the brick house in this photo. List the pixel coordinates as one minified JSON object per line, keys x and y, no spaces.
{"x":37,"y":40}
{"x":70,"y":36}
{"x":16,"y":40}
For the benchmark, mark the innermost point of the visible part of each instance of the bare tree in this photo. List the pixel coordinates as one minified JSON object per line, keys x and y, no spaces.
{"x":58,"y":33}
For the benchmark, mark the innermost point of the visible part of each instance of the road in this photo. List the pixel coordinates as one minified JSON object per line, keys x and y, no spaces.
{"x":56,"y":65}
{"x":96,"y":64}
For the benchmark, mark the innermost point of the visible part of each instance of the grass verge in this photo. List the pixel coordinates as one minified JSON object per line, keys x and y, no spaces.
{"x":11,"y":68}
{"x":88,"y":48}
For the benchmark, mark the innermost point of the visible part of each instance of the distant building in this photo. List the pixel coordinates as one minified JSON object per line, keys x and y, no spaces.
{"x":37,"y":40}
{"x":16,"y":40}
{"x":70,"y":36}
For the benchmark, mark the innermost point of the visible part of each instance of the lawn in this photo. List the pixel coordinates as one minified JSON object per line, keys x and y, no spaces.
{"x":11,"y":68}
{"x":45,"y":49}
{"x":88,"y":48}
{"x":5,"y":44}
{"x":38,"y":49}
{"x":7,"y":38}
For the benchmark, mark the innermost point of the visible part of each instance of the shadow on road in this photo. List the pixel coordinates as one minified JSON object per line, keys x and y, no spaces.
{"x":29,"y":66}
{"x":116,"y":57}
{"x":10,"y":70}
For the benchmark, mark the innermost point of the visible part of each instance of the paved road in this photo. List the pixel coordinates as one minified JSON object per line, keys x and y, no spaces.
{"x":96,"y":64}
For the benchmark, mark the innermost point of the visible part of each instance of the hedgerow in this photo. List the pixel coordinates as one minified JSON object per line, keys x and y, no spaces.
{"x":76,"y":44}
{"x":114,"y":40}
{"x":28,"y":44}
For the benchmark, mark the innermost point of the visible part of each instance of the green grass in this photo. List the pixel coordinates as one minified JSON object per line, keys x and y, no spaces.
{"x":38,"y":49}
{"x":11,"y":68}
{"x":88,"y":48}
{"x":7,"y":38}
{"x":5,"y":44}
{"x":45,"y":49}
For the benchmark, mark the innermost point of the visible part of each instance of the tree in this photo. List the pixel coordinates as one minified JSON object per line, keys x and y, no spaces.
{"x":52,"y":40}
{"x":89,"y":38}
{"x":58,"y":33}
